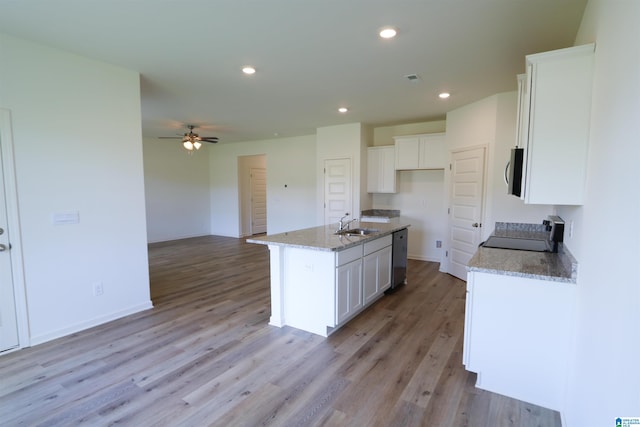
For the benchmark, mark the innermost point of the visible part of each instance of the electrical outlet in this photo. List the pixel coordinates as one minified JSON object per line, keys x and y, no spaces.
{"x":98,"y":289}
{"x":438,"y":243}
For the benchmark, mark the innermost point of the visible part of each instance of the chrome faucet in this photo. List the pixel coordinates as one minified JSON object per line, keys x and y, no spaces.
{"x":342,"y":224}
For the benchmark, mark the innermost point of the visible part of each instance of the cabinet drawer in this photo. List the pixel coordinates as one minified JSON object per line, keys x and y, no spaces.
{"x":348,"y":255}
{"x":378,"y":244}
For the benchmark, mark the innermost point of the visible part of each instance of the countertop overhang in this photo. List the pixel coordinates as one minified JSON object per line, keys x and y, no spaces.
{"x":323,"y":238}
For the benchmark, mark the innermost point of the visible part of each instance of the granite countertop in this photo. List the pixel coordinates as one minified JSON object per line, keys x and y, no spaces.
{"x":383,"y":213}
{"x":558,"y":267}
{"x":322,"y":238}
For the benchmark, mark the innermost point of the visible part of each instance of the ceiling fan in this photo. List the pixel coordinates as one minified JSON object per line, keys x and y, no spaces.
{"x":191,"y":140}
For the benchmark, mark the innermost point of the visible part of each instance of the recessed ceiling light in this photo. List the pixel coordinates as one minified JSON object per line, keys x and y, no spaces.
{"x":247,"y":69}
{"x":444,"y":95}
{"x":343,"y":109}
{"x":388,"y":32}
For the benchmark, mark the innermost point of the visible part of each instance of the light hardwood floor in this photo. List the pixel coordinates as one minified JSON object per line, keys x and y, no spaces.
{"x":205,"y":355}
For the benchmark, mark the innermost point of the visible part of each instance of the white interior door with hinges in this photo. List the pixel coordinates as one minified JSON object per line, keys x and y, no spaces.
{"x":258,"y":200}
{"x":465,"y":212}
{"x":8,"y":319}
{"x":337,"y":190}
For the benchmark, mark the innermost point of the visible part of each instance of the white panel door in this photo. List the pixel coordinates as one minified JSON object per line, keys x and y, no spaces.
{"x":258,"y":200}
{"x":8,"y":321}
{"x":467,"y":183}
{"x":337,"y":190}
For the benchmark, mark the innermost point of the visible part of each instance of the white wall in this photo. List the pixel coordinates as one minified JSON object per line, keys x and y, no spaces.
{"x":176,"y":190}
{"x":338,"y":142}
{"x":420,"y":199}
{"x":290,"y":162}
{"x":491,"y":122}
{"x":605,"y":372}
{"x":383,"y":135}
{"x":77,"y":144}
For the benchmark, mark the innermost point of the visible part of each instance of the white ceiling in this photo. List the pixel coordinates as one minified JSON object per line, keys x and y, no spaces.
{"x":312,"y":56}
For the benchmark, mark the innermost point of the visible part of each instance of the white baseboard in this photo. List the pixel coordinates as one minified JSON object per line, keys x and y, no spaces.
{"x":172,"y":238}
{"x":89,"y":324}
{"x":423,"y":258}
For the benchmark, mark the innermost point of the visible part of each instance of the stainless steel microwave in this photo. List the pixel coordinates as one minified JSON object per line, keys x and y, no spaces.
{"x":513,"y":172}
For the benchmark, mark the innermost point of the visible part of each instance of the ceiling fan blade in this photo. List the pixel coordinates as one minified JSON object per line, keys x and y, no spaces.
{"x":169,"y":137}
{"x":212,"y":139}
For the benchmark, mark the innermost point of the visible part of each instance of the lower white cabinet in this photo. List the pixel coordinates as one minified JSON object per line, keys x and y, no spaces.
{"x":377,"y":273}
{"x":360,"y":282}
{"x":518,"y":336}
{"x":348,"y":290}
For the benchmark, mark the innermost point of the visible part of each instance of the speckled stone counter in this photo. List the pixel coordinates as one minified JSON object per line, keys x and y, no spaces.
{"x":323,"y":238}
{"x":558,"y":267}
{"x":380,"y":213}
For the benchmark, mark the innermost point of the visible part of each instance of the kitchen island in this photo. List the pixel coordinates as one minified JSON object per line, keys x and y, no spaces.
{"x":320,"y":280}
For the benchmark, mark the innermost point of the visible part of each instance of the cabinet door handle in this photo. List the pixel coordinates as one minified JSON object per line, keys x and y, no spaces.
{"x":506,"y":172}
{"x":4,"y":247}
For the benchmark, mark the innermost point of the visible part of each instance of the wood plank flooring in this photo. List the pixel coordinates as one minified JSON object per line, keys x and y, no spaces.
{"x":205,"y":355}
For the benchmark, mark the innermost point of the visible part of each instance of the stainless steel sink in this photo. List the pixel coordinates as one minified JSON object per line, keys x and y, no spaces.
{"x":356,"y":232}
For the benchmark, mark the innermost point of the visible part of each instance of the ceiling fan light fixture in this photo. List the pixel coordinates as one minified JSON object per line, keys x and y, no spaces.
{"x":192,"y":141}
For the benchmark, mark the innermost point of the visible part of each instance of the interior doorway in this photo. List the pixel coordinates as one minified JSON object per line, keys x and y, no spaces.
{"x":252,"y":188}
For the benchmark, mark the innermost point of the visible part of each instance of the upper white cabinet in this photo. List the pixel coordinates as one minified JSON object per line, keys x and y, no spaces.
{"x":554,"y":125}
{"x":420,"y":151}
{"x":381,"y":169}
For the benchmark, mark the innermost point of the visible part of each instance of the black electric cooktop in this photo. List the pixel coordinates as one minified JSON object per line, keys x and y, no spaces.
{"x":535,"y":245}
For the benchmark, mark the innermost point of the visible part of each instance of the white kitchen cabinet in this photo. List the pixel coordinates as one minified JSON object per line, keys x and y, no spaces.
{"x":420,"y":151}
{"x":518,"y":336}
{"x":348,"y":290}
{"x":377,"y":269}
{"x":555,"y":117}
{"x":381,"y":169}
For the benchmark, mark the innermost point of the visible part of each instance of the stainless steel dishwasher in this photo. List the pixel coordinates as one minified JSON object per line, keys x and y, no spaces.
{"x":399,"y":258}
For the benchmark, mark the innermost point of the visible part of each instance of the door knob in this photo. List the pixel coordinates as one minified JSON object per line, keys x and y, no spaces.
{"x":1,"y":231}
{"x":476,"y":225}
{"x":4,"y":247}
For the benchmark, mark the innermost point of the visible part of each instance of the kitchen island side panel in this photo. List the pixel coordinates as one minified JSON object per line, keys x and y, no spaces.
{"x":309,"y":289}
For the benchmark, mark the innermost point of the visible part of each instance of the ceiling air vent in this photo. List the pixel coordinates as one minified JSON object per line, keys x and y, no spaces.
{"x":414,"y":78}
